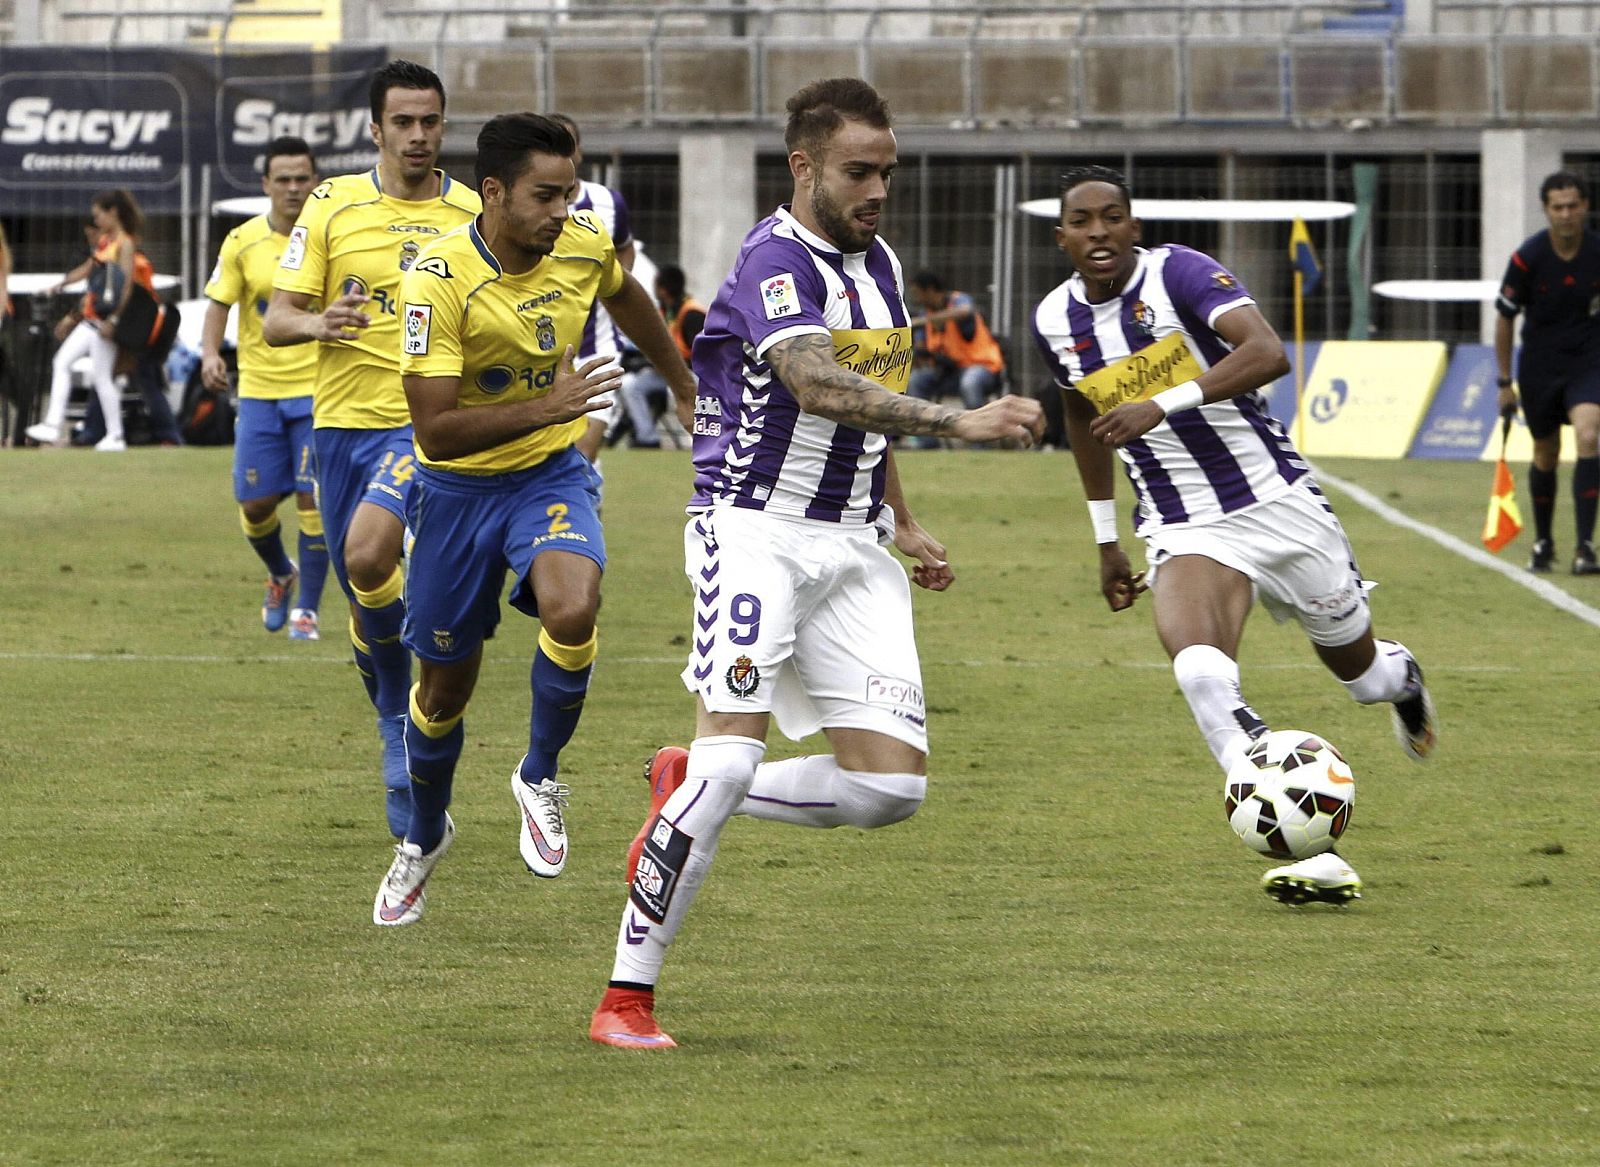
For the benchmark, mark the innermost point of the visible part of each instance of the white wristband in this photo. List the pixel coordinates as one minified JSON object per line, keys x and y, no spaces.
{"x":1185,"y":396}
{"x":1103,"y":518}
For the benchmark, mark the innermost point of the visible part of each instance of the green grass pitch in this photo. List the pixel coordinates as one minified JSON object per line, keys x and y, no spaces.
{"x":1064,"y":958}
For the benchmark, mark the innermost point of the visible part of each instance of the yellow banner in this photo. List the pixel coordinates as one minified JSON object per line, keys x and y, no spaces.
{"x":878,"y":354}
{"x":1142,"y":375}
{"x":1365,"y":399}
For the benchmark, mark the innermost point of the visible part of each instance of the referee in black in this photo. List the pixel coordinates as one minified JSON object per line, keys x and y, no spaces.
{"x":1554,"y":277}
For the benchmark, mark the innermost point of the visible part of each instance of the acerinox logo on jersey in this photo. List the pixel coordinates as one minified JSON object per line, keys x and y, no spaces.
{"x":743,"y":677}
{"x":779,"y":297}
{"x":419,"y":323}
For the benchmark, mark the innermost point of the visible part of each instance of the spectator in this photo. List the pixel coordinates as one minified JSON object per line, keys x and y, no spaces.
{"x":642,"y":388}
{"x":962,"y":355}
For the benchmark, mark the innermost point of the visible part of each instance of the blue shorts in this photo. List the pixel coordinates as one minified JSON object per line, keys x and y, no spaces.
{"x":272,"y":448}
{"x":469,"y":530}
{"x":357,"y":466}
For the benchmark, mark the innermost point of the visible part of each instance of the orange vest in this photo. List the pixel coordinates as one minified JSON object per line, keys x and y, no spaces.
{"x":675,"y":326}
{"x":105,"y":252}
{"x":982,"y":349}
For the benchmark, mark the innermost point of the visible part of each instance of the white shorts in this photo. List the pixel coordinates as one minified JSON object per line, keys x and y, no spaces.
{"x":1296,"y":556}
{"x":806,"y":620}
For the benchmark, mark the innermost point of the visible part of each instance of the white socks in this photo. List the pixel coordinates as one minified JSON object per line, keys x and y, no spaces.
{"x":814,"y":792}
{"x":1385,"y":678}
{"x":724,"y":777}
{"x":679,"y":851}
{"x":1209,"y":679}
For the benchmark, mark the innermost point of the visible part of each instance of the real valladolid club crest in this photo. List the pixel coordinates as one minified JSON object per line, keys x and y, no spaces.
{"x":743,"y":677}
{"x":1144,"y":318}
{"x":545,"y":330}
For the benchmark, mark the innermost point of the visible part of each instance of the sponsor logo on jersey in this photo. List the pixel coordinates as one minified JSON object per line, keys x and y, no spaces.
{"x":881,"y":355}
{"x":779,"y":298}
{"x":539,"y":301}
{"x":294,"y":255}
{"x":419,"y":323}
{"x":1141,"y":375}
{"x":743,"y":677}
{"x":413,"y":228}
{"x":435,"y":265}
{"x":901,"y":697}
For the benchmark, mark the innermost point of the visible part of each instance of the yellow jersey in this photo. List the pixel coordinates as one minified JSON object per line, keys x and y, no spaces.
{"x":351,"y":237}
{"x":246,"y":267}
{"x":504,"y":335}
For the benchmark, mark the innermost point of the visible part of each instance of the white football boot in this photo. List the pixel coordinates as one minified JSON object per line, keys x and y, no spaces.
{"x":1322,"y":879}
{"x":404,"y":891}
{"x":542,"y":836}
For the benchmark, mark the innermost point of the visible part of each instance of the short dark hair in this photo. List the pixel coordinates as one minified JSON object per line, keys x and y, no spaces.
{"x":125,"y":206}
{"x":507,"y":139}
{"x":670,"y":276}
{"x":402,"y":74}
{"x":928,"y":279}
{"x":572,"y":125}
{"x":823,"y":106}
{"x":1562,"y":180}
{"x":288,"y":147}
{"x":1078,"y":175}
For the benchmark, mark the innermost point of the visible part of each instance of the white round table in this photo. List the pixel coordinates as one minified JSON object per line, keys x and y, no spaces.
{"x":1215,"y":210}
{"x":1438,"y":291}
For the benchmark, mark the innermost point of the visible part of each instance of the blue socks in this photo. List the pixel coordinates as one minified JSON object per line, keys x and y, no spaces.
{"x":560,"y":682}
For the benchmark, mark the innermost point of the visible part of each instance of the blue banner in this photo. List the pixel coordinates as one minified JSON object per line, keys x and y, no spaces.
{"x":76,"y":121}
{"x":1464,"y":413}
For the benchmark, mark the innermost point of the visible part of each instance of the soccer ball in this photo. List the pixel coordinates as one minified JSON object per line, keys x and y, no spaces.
{"x":1291,"y":795}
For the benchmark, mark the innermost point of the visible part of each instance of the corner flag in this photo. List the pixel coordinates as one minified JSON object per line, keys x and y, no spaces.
{"x":1504,"y":521}
{"x":1304,"y":257}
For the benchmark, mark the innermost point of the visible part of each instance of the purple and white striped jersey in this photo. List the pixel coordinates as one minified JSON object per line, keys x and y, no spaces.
{"x":601,"y":337}
{"x":753,"y":445}
{"x":1199,"y":464}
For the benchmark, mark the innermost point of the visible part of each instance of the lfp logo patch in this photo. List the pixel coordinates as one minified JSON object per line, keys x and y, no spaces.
{"x":779,"y":297}
{"x":419,"y":321}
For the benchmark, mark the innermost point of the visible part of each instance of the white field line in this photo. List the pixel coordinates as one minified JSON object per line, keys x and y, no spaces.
{"x":1545,"y":590}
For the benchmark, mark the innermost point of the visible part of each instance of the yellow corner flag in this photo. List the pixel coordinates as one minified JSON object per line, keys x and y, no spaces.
{"x":1304,"y":257}
{"x":1504,"y":521}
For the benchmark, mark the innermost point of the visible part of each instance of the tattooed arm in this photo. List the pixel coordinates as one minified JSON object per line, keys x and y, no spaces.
{"x":807,"y":367}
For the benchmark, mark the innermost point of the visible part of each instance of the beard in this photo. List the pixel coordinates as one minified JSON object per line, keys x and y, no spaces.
{"x":837,"y":224}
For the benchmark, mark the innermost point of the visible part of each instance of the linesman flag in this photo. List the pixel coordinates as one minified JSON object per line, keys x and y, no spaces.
{"x":1504,"y":521}
{"x":1304,"y":257}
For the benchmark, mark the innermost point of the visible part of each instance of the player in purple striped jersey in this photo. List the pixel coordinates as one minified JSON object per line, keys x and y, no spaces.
{"x":1162,"y":354}
{"x":801,"y":613}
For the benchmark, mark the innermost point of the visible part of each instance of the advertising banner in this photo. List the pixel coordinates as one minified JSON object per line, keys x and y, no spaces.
{"x":1364,"y":399}
{"x":76,"y":121}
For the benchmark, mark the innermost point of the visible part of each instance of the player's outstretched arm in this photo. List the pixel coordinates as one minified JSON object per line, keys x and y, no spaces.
{"x":1257,"y":360}
{"x":642,"y":323}
{"x":807,"y":367}
{"x":445,"y":430}
{"x":289,"y":319}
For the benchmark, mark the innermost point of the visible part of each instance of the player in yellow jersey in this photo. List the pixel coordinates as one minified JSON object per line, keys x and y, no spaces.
{"x":491,"y":316}
{"x":357,"y":235}
{"x":272,"y":442}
